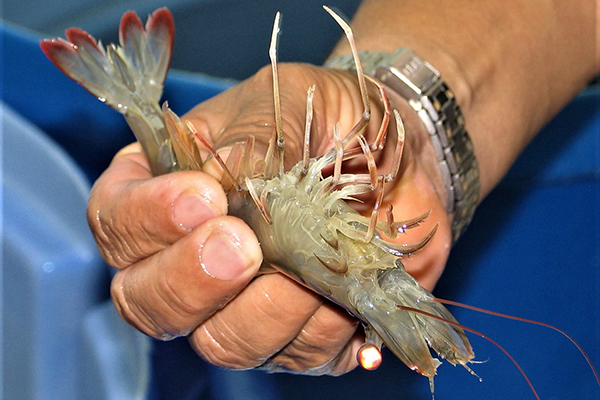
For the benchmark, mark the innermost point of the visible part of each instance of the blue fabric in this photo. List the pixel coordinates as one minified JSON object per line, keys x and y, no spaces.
{"x":533,"y":249}
{"x":224,"y":38}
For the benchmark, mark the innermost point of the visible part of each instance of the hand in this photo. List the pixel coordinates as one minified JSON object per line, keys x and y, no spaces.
{"x":185,"y":268}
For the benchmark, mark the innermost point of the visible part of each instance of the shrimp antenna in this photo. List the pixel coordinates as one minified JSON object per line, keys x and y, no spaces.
{"x":307,"y":126}
{"x":216,"y":155}
{"x":475,"y":332}
{"x":280,"y":139}
{"x":362,"y":84}
{"x":529,"y":321}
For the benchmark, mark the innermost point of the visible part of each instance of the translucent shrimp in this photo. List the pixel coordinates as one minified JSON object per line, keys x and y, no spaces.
{"x":306,"y":229}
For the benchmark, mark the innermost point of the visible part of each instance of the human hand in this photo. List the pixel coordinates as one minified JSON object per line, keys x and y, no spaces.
{"x":185,"y":268}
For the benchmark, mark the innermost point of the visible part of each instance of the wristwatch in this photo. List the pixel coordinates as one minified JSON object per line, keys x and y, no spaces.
{"x":421,"y":85}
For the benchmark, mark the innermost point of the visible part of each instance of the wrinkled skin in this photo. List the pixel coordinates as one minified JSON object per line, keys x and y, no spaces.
{"x":186,"y":268}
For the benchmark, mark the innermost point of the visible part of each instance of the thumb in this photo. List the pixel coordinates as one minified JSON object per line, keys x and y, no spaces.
{"x":175,"y":290}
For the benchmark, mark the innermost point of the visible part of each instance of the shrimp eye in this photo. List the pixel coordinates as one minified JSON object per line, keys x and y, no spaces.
{"x":369,"y":357}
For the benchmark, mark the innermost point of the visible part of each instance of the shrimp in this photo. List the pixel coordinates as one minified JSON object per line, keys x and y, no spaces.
{"x":306,"y":229}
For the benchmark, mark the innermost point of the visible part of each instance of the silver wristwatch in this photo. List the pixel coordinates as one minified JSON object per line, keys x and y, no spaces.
{"x":420,"y":84}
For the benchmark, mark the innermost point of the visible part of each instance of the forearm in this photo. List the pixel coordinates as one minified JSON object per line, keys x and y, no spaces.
{"x":512,"y":64}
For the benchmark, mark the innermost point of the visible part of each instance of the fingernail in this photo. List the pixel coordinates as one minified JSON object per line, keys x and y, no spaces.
{"x":221,"y":256}
{"x":191,"y":209}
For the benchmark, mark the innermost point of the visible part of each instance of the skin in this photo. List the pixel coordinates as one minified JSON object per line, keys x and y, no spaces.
{"x":186,"y":268}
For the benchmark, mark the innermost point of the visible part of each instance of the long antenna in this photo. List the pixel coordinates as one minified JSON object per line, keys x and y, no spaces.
{"x":529,"y":321}
{"x":473,"y":331}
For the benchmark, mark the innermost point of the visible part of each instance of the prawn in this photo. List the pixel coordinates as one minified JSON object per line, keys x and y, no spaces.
{"x":306,"y":229}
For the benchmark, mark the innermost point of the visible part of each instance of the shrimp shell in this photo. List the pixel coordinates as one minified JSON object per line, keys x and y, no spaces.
{"x":306,"y":229}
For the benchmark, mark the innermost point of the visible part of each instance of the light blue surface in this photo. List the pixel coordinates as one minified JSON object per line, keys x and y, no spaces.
{"x":116,"y":359}
{"x":52,"y":273}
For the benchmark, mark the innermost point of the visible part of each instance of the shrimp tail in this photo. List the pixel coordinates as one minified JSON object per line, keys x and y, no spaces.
{"x":129,"y":77}
{"x":384,"y":303}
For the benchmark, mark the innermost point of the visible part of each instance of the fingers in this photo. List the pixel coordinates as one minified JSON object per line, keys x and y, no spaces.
{"x":173,"y":291}
{"x":247,"y":109}
{"x":326,"y":345}
{"x":276,"y":320}
{"x":133,"y":217}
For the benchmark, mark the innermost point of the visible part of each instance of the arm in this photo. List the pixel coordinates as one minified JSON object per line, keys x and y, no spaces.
{"x":513,"y":64}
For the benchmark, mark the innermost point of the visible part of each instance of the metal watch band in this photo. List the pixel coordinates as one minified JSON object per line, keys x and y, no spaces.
{"x":421,"y":85}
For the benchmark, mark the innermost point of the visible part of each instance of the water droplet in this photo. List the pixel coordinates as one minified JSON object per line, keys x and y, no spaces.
{"x":48,"y":267}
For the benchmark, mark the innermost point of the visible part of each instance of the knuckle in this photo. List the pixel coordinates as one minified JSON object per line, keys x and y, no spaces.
{"x":303,"y":354}
{"x":117,"y":224}
{"x":262,"y":77}
{"x":130,"y":312}
{"x":222,"y":346}
{"x":185,"y":304}
{"x":274,"y":302}
{"x":116,"y":241}
{"x":155,"y":307}
{"x":321,"y":345}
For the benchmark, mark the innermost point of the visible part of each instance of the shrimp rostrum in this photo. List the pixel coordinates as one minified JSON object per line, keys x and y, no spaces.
{"x":306,"y":229}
